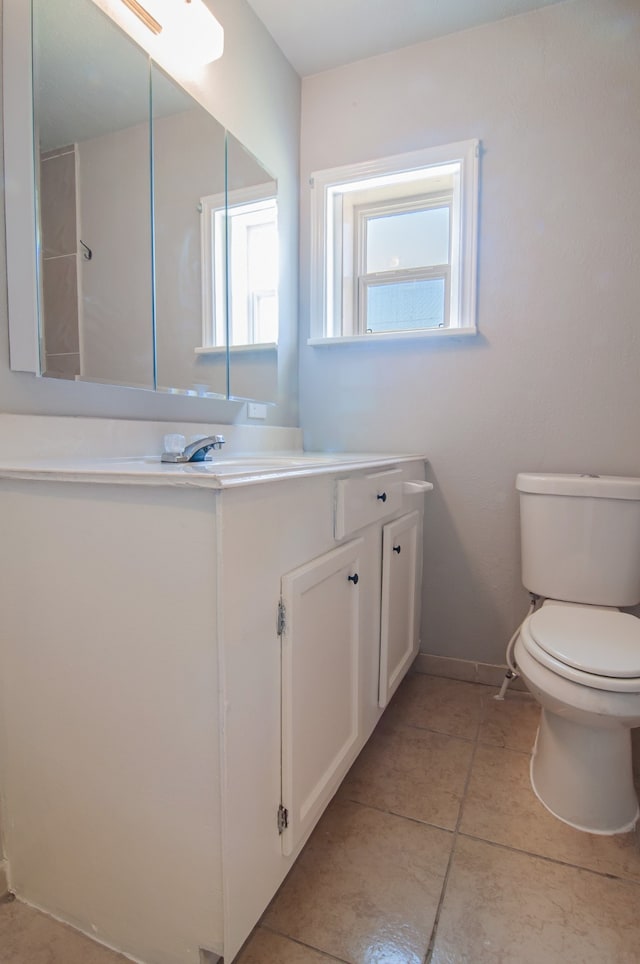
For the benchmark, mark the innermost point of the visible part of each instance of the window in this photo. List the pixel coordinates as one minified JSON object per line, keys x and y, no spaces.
{"x":240,"y":269}
{"x":394,"y":246}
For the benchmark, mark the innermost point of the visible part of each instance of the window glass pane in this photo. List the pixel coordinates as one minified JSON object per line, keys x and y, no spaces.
{"x":406,"y":305}
{"x":253,"y":274}
{"x":262,"y":255}
{"x":409,"y":239}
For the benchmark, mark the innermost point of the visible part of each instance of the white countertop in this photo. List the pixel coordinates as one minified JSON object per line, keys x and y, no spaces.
{"x":224,"y":472}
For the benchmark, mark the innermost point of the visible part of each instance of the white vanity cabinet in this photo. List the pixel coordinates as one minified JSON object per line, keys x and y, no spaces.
{"x":156,"y":724}
{"x":400,"y":603}
{"x":321,"y":664}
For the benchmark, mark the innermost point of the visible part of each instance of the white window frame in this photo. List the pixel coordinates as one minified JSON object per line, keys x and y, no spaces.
{"x":215,"y":209}
{"x":335,"y":286}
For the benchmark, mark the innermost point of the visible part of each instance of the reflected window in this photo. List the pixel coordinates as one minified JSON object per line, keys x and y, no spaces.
{"x":240,"y":271}
{"x":395,"y":245}
{"x":253,"y":272}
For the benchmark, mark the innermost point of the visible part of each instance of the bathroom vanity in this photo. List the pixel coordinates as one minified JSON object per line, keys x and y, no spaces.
{"x":193,"y":656}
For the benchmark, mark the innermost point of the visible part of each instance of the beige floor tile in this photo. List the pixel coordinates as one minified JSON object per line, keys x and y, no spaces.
{"x":265,"y":947}
{"x":29,"y":937}
{"x":502,"y":907}
{"x":512,"y":722}
{"x":365,"y":888}
{"x":412,"y":772}
{"x":445,"y":705}
{"x":501,"y":806}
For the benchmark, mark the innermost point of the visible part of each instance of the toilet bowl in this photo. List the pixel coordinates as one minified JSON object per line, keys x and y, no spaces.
{"x":582,"y":664}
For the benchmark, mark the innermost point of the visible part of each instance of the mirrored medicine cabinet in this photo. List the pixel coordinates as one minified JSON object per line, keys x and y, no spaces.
{"x":142,"y":235}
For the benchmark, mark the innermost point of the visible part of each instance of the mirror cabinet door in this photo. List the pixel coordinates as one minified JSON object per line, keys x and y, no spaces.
{"x":156,"y":260}
{"x":92,"y":142}
{"x":253,"y":275}
{"x":188,"y":166}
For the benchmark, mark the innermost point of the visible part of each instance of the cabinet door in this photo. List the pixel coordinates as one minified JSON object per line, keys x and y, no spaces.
{"x":400,"y":610}
{"x":320,"y":684}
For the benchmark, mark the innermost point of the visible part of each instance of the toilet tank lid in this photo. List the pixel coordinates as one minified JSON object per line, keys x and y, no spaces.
{"x":587,"y":486}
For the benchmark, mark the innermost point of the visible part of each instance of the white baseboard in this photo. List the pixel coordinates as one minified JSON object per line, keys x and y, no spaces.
{"x":491,"y":674}
{"x":4,"y":878}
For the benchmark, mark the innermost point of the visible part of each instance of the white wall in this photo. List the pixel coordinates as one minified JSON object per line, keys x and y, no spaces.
{"x":254,"y":92}
{"x":552,"y":383}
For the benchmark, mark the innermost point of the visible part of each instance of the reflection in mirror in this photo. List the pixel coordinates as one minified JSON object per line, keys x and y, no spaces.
{"x":253,"y":275}
{"x":111,"y":270}
{"x":91,"y":106}
{"x":189,"y":164}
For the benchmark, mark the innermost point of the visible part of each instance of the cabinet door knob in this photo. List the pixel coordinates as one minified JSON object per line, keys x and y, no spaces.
{"x":397,"y":549}
{"x":382,"y":496}
{"x":354,"y":579}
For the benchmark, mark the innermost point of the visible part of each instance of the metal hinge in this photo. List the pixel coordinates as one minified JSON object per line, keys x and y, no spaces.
{"x":283,"y":818}
{"x":281,"y":621}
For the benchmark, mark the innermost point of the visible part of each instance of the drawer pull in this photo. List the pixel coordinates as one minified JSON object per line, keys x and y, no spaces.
{"x":354,"y":579}
{"x":397,"y":549}
{"x":382,"y":496}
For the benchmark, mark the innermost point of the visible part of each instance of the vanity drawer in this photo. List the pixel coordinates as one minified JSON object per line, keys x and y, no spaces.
{"x":364,"y":499}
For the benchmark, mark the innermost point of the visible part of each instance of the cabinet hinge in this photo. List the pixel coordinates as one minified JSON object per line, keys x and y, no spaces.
{"x":281,"y":621}
{"x":283,"y":818}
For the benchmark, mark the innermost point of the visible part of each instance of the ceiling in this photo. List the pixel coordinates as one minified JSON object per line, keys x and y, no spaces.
{"x":316,"y":35}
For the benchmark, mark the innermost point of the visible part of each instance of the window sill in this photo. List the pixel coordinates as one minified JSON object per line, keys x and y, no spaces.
{"x":236,"y":349}
{"x":383,"y":336}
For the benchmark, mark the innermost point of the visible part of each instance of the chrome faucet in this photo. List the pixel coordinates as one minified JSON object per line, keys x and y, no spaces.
{"x":196,"y":451}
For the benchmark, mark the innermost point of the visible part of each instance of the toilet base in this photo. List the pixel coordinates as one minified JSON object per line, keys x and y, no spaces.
{"x":583,"y":775}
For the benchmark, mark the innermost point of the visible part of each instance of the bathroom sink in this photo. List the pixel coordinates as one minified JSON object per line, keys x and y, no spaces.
{"x":250,"y":464}
{"x":265,"y":463}
{"x":261,"y":460}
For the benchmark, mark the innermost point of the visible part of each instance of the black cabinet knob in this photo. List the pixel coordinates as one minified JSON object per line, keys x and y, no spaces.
{"x":397,"y":549}
{"x":354,"y":579}
{"x":382,"y":496}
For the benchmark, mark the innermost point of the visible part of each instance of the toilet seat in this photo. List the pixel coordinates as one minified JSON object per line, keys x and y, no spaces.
{"x":599,"y":648}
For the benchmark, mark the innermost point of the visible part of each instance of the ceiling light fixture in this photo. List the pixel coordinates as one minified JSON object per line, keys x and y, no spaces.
{"x":188,"y":28}
{"x":144,"y":15}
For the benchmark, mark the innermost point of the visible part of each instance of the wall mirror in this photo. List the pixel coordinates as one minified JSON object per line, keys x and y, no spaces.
{"x":92,"y":141}
{"x":155,"y":239}
{"x":252,"y":297}
{"x":188,"y":164}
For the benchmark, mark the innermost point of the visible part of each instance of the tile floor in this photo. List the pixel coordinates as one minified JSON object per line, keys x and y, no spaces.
{"x":434,"y":850}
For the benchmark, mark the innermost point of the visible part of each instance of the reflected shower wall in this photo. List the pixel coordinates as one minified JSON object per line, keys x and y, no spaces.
{"x":59,"y":265}
{"x":116,"y":283}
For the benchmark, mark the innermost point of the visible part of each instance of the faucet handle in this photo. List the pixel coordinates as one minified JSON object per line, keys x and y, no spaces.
{"x":195,"y":451}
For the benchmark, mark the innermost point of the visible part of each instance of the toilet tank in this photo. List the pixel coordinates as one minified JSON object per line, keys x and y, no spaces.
{"x":581,"y":538}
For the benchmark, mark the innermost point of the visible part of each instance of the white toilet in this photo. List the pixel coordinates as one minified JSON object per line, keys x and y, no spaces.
{"x":577,"y":653}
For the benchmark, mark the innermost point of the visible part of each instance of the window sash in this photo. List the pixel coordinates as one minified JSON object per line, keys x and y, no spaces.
{"x":366,"y":213}
{"x":400,"y":276}
{"x":354,"y":307}
{"x":351,"y":276}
